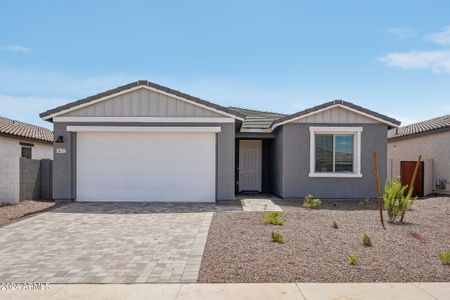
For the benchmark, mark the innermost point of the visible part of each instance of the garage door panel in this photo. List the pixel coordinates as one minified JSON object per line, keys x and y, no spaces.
{"x":119,"y":166}
{"x":158,"y":195}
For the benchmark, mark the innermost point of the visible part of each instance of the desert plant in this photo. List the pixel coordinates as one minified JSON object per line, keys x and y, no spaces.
{"x":273,"y":218}
{"x":364,"y":202}
{"x":277,"y":237}
{"x":367,"y":240}
{"x":445,"y":258}
{"x":310,"y":202}
{"x":395,"y":201}
{"x":335,"y":225}
{"x":352,"y":259}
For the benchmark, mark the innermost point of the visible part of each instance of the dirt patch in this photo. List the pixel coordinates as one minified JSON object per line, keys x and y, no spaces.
{"x":239,"y":247}
{"x":24,"y":209}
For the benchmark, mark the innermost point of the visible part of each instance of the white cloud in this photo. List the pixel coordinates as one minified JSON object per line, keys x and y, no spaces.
{"x":447,"y":108}
{"x":27,"y":108}
{"x":402,"y":33}
{"x":438,"y":61}
{"x":441,"y":37}
{"x":24,"y":94}
{"x":53,"y":83}
{"x":17,"y":49}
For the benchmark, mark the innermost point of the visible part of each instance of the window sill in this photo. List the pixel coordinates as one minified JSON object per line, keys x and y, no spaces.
{"x":335,"y":175}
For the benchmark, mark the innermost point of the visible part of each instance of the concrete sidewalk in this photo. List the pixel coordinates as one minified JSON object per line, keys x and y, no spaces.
{"x":278,"y":291}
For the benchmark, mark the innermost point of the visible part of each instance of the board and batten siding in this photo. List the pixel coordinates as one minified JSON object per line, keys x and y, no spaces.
{"x":142,"y":103}
{"x":336,"y":115}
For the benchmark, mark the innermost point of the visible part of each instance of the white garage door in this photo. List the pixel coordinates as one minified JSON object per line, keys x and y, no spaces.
{"x":146,"y":166}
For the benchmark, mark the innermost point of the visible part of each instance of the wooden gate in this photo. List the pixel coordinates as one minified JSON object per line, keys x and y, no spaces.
{"x":406,"y":173}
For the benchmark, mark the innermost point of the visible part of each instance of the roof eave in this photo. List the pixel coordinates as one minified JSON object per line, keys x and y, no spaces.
{"x":418,"y":134}
{"x":20,"y":137}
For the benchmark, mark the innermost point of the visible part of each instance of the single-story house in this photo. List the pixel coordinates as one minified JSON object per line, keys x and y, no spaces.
{"x":146,"y":142}
{"x":20,"y":140}
{"x":431,"y":139}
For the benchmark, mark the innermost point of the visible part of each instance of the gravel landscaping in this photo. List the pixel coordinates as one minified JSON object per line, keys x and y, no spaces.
{"x":239,"y":248}
{"x":26,"y":208}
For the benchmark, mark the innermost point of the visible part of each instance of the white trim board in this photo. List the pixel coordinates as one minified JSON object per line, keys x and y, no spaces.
{"x":355,"y":131}
{"x":141,"y":129}
{"x":331,"y":107}
{"x":134,"y":89}
{"x":144,"y":119}
{"x":256,"y":130}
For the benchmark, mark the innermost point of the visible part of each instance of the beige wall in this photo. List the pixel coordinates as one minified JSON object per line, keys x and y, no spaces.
{"x":11,"y":148}
{"x":10,"y":152}
{"x":435,"y":151}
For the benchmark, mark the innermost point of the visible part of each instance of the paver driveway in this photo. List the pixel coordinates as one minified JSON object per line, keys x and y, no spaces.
{"x":107,"y":243}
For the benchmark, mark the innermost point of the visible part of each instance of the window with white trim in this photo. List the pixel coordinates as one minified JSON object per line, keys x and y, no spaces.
{"x":335,"y":151}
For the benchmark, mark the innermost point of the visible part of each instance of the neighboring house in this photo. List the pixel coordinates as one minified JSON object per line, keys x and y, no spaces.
{"x":18,"y":139}
{"x":431,"y":139}
{"x":146,"y":142}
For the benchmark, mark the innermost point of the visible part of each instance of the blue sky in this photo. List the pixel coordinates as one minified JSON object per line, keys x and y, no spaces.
{"x":389,"y":56}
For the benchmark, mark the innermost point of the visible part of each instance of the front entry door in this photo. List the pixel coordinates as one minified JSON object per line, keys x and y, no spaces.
{"x":250,"y":165}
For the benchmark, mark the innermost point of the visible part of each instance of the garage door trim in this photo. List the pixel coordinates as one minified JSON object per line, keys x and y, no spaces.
{"x":157,"y":130}
{"x":140,"y":129}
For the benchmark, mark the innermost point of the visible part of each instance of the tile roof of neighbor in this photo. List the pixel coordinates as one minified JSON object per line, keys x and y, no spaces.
{"x":24,"y":130}
{"x":135,"y":84}
{"x":257,"y":119}
{"x":424,"y":127}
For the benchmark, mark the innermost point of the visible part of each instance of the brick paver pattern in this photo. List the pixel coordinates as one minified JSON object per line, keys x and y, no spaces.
{"x":107,"y":243}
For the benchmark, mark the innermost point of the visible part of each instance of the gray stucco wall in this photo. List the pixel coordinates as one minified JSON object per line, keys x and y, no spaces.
{"x":64,"y":164}
{"x":30,"y":180}
{"x":46,"y":179}
{"x":226,"y":162}
{"x":277,"y":161}
{"x":295,"y":164}
{"x":35,"y":179}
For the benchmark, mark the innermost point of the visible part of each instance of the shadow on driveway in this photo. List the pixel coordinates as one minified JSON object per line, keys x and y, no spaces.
{"x":147,"y":207}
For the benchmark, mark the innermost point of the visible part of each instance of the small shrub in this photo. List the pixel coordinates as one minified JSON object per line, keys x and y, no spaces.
{"x":445,"y":258}
{"x":309,"y":202}
{"x":273,"y":218}
{"x":335,"y":225}
{"x":364,"y":202}
{"x":352,"y":259}
{"x":395,"y":201}
{"x":367,"y":240}
{"x":277,"y":237}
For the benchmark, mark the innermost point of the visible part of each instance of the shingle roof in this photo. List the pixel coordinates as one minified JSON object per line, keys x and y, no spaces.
{"x":342,"y":102}
{"x":135,"y":84}
{"x":257,"y":119}
{"x":424,"y":127}
{"x":25,"y":130}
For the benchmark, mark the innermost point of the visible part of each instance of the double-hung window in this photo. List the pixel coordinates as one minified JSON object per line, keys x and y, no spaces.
{"x":335,"y":151}
{"x":26,"y":151}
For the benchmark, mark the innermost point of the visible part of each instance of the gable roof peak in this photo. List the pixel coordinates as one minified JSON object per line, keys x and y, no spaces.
{"x":48,"y":115}
{"x":391,"y":122}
